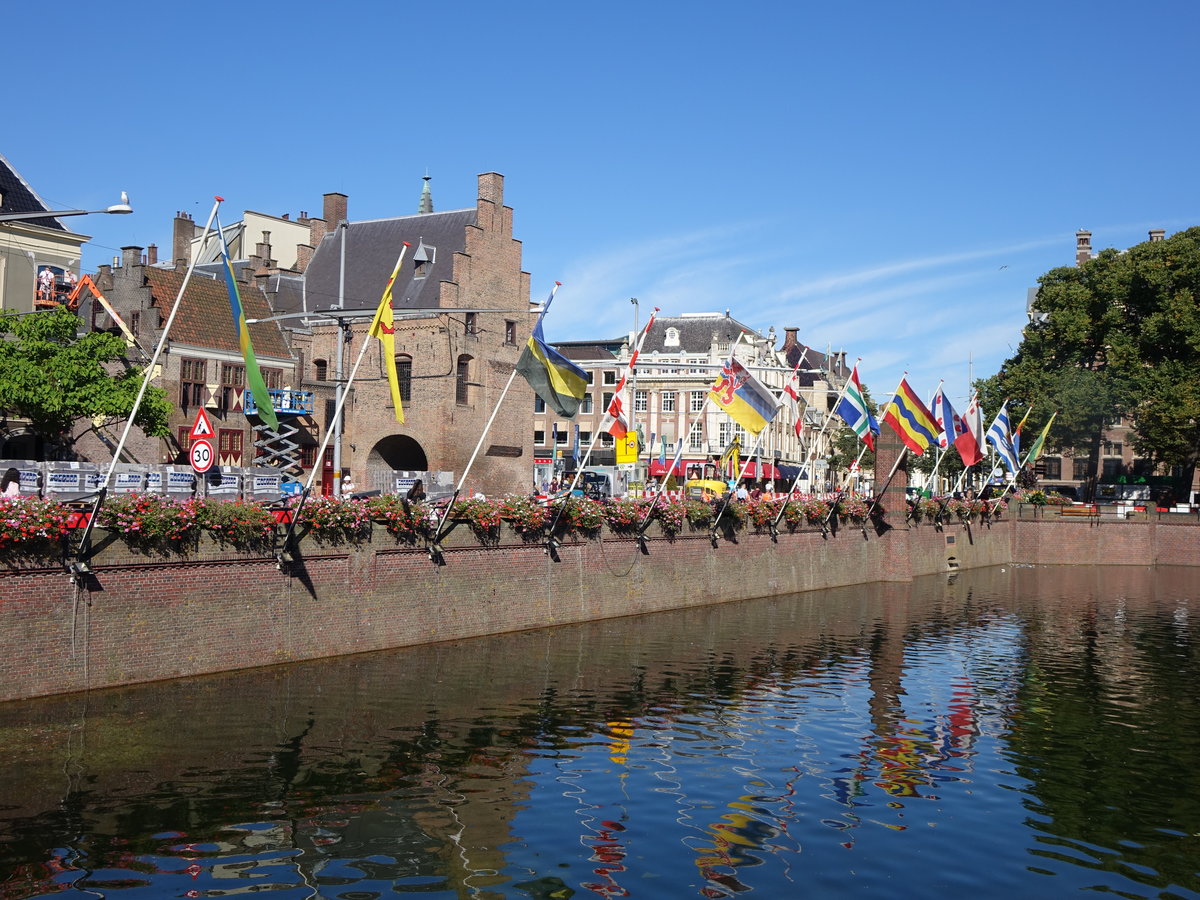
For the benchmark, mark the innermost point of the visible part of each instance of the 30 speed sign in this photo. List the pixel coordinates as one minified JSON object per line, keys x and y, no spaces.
{"x":201,"y":454}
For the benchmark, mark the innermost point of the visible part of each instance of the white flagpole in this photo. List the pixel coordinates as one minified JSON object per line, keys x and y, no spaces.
{"x":437,"y":534}
{"x":147,"y":374}
{"x":629,"y":368}
{"x":337,"y":413}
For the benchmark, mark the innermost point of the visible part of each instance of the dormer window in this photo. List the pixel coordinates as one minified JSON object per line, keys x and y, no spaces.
{"x":672,"y":338}
{"x":423,"y":259}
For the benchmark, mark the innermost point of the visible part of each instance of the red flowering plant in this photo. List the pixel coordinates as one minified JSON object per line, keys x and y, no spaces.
{"x":523,"y":515}
{"x":853,"y":507}
{"x":482,"y":516}
{"x":581,"y":514}
{"x":243,"y":524}
{"x":699,"y":513}
{"x":995,"y":508}
{"x":927,"y":508}
{"x":960,"y":509}
{"x":151,"y":521}
{"x":671,"y":514}
{"x":334,"y":521}
{"x":625,"y":515}
{"x":29,"y":525}
{"x":405,"y":520}
{"x":814,"y":509}
{"x":761,"y":513}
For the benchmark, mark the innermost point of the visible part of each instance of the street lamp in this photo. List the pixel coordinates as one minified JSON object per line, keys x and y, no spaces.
{"x":117,"y":209}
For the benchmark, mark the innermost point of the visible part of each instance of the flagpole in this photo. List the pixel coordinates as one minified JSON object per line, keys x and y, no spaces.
{"x":147,"y":374}
{"x":630,"y":369}
{"x":699,"y":420}
{"x":329,"y":431}
{"x":812,"y":450}
{"x":729,"y":495}
{"x":899,"y":459}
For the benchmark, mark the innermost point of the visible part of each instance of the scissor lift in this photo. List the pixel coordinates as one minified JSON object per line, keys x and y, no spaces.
{"x":278,"y":448}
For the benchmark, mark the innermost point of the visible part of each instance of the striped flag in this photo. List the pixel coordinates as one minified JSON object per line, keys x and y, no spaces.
{"x":615,"y":421}
{"x":853,"y":410}
{"x":558,"y":381}
{"x":999,"y":435}
{"x":258,"y":388}
{"x":909,"y":418}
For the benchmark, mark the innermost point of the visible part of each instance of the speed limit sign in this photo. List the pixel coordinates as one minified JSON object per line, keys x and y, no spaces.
{"x":201,"y":454}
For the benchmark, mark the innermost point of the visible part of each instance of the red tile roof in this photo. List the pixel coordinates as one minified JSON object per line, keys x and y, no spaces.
{"x":204,"y":318}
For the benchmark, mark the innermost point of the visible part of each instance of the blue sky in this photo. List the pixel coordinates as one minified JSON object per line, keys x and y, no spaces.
{"x":889,"y":178}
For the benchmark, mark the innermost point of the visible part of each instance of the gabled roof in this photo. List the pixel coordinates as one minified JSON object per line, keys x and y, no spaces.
{"x":695,"y":333}
{"x":205,"y":319}
{"x":372,"y":248}
{"x":19,"y":197}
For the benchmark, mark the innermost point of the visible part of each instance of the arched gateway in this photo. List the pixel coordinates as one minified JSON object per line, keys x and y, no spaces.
{"x":392,"y":453}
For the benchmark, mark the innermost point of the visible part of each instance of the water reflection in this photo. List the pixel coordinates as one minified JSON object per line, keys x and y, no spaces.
{"x":1014,"y":730}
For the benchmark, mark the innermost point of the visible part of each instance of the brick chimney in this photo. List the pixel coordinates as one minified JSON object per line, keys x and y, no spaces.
{"x":1157,"y":234}
{"x":304,"y":255}
{"x":317,"y":229}
{"x":789,"y":339}
{"x":131,"y":256}
{"x":1083,"y":247}
{"x":336,"y":206}
{"x":181,"y":240}
{"x":263,"y":251}
{"x":152,"y":254}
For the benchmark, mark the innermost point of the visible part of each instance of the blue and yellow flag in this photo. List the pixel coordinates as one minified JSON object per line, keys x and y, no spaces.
{"x":254,"y":379}
{"x":553,"y":377}
{"x":911,"y":420}
{"x":746,"y":399}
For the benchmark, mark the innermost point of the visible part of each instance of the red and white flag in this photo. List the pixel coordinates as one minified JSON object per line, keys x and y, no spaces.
{"x":792,"y":390}
{"x":970,"y":442}
{"x":615,"y":421}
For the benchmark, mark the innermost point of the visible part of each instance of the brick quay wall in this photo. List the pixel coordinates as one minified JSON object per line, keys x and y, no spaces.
{"x":142,"y":618}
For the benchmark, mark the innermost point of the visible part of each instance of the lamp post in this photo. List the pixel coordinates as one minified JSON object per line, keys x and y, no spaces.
{"x":117,"y":209}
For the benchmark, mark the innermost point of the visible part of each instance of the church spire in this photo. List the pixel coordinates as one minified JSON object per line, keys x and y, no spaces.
{"x":426,"y":205}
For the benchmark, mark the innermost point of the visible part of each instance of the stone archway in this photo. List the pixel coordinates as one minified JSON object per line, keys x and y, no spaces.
{"x":396,"y":452}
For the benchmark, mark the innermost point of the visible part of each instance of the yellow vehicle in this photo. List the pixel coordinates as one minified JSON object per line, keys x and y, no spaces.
{"x":704,"y":489}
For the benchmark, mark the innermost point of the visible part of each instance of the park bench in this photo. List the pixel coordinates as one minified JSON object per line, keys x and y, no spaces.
{"x":1090,"y":511}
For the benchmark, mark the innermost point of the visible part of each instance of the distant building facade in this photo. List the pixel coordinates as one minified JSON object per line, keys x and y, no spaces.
{"x":679,"y":361}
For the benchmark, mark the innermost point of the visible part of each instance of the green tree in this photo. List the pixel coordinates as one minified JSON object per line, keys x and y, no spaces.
{"x":57,"y":378}
{"x":1118,"y":337}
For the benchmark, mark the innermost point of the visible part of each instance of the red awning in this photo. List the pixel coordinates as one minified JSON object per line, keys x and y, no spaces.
{"x":768,"y":470}
{"x":660,"y":470}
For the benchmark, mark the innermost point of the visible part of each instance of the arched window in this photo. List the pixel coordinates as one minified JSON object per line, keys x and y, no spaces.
{"x":404,"y":376}
{"x":462,"y":380}
{"x":320,"y":369}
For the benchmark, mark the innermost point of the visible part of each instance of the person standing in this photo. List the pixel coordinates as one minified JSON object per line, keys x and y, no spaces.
{"x":10,"y":485}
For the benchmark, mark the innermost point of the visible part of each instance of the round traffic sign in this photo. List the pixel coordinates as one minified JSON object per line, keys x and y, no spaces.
{"x":201,"y":455}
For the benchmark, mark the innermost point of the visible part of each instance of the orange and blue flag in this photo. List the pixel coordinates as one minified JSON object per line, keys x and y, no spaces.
{"x":909,"y":418}
{"x":746,"y":399}
{"x":254,"y":379}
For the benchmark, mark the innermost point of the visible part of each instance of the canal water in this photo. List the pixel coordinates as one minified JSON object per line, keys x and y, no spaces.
{"x":1011,"y":732}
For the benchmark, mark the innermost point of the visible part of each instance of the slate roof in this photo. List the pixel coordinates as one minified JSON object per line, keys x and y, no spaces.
{"x":204,"y":318}
{"x":695,"y":333}
{"x":19,"y":197}
{"x":371,"y":251}
{"x":589,"y":350}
